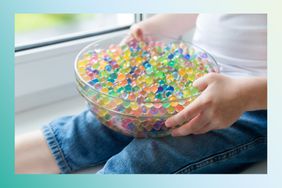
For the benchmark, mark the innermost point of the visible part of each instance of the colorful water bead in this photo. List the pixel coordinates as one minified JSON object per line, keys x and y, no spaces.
{"x":141,"y":79}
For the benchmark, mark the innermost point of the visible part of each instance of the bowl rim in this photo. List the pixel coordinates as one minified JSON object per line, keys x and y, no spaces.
{"x":84,"y":49}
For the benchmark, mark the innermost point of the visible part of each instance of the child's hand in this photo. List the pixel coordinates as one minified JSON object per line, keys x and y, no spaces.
{"x":219,"y":105}
{"x":135,"y":33}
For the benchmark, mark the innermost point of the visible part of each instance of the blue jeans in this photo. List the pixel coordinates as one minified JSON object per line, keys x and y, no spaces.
{"x":80,"y":141}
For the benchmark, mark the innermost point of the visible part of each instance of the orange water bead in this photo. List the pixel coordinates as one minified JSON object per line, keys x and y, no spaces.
{"x":136,"y":112}
{"x":110,"y":84}
{"x":133,"y":63}
{"x":147,"y":89}
{"x":174,"y":104}
{"x":131,"y":97}
{"x":121,"y":77}
{"x":172,"y":98}
{"x":139,"y":60}
{"x":178,"y":108}
{"x":123,"y":83}
{"x":181,"y":72}
{"x":104,"y":90}
{"x":142,"y":68}
{"x":154,"y":88}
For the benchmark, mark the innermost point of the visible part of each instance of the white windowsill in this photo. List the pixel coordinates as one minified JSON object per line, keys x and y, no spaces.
{"x":45,"y":75}
{"x":35,"y":118}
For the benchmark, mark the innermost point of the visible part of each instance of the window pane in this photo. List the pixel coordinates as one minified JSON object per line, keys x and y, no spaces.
{"x":32,"y":28}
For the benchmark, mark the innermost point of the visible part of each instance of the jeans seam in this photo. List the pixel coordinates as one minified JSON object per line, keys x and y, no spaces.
{"x":56,"y":150}
{"x":219,"y":156}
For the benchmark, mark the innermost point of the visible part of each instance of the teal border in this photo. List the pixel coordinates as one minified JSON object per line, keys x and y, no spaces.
{"x":9,"y":8}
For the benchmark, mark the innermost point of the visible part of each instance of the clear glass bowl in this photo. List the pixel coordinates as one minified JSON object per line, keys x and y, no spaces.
{"x":131,"y":116}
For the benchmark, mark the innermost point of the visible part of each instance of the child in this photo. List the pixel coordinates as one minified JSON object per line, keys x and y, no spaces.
{"x":223,"y":131}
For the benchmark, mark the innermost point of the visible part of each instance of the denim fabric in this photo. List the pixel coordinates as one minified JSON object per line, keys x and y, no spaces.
{"x":80,"y":141}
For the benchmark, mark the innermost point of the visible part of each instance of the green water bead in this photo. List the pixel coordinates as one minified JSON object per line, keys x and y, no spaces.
{"x":194,"y":91}
{"x":126,"y":104}
{"x":113,"y":75}
{"x":171,"y":63}
{"x":120,"y":90}
{"x":161,"y":82}
{"x":107,"y":117}
{"x":160,"y":75}
{"x":128,"y":88}
{"x":112,"y":92}
{"x":135,"y":88}
{"x":159,"y":49}
{"x":159,"y":96}
{"x":170,"y":110}
{"x":95,"y":65}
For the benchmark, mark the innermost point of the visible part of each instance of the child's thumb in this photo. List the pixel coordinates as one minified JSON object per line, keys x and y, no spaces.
{"x":137,"y":33}
{"x":201,"y":83}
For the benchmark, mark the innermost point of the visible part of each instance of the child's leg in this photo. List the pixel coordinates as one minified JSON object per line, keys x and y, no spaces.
{"x":78,"y":142}
{"x":32,"y":154}
{"x":221,"y":151}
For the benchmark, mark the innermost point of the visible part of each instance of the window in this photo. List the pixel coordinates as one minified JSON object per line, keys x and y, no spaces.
{"x":46,"y":46}
{"x":33,"y":29}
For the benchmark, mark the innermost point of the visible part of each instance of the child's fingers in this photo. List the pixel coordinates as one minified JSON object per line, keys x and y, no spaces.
{"x":203,"y":82}
{"x":206,"y":128}
{"x":200,"y":83}
{"x":137,"y":33}
{"x":192,"y":126}
{"x":187,"y":113}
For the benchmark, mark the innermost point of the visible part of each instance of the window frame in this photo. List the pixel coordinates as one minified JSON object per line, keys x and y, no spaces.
{"x":37,"y":59}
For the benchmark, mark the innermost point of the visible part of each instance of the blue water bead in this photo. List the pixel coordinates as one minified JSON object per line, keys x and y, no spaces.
{"x":144,"y":109}
{"x":167,"y":48}
{"x":175,"y":75}
{"x":138,"y":48}
{"x":146,"y":64}
{"x":112,"y":63}
{"x":107,"y":58}
{"x":160,"y":89}
{"x":108,"y":68}
{"x":95,"y":71}
{"x":149,"y":70}
{"x":120,"y":108}
{"x":153,"y":110}
{"x":158,"y":125}
{"x":179,"y":94}
{"x":131,"y":126}
{"x":180,"y":50}
{"x":129,"y":81}
{"x":170,"y":88}
{"x":204,"y":55}
{"x":187,"y":56}
{"x":132,"y":69}
{"x":90,"y":69}
{"x":94,"y":81}
{"x":131,"y":49}
{"x":170,"y":56}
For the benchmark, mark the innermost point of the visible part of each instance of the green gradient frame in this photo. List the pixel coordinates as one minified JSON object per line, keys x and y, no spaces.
{"x":9,"y":8}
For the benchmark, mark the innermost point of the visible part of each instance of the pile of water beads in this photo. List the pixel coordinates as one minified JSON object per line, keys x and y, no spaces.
{"x":133,"y":88}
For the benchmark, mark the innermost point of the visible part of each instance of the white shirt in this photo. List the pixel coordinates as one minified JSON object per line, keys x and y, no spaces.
{"x":238,"y":42}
